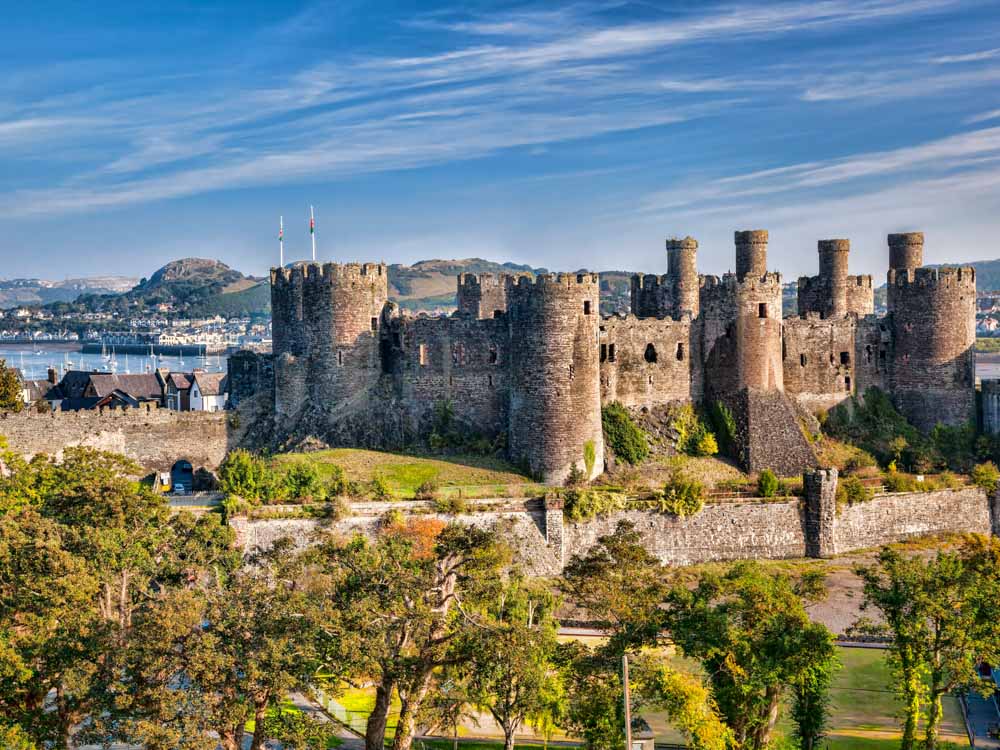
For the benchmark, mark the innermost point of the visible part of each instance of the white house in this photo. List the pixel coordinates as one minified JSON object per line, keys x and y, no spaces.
{"x":208,"y":391}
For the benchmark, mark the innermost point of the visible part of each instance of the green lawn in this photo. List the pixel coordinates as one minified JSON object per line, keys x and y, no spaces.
{"x":470,"y":476}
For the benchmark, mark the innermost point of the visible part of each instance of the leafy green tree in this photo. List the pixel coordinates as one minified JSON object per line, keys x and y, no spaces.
{"x":767,"y":484}
{"x":247,"y":476}
{"x":213,"y":657}
{"x":10,"y":389}
{"x":941,"y":613}
{"x":403,"y":600}
{"x":507,"y":656}
{"x":750,"y":631}
{"x":986,"y":475}
{"x":302,"y":482}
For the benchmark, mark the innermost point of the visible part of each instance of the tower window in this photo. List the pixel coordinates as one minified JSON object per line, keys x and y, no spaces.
{"x":868,"y":353}
{"x":340,"y":357}
{"x":680,"y":351}
{"x":494,"y":357}
{"x":586,"y":307}
{"x":374,"y":324}
{"x":611,"y":352}
{"x":422,"y":350}
{"x":604,"y":352}
{"x":802,"y":360}
{"x":845,"y":358}
{"x":650,"y":354}
{"x":762,"y":310}
{"x":847,"y":383}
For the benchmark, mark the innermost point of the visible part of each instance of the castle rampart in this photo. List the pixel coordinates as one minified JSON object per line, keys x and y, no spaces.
{"x":834,"y":293}
{"x":482,"y":295}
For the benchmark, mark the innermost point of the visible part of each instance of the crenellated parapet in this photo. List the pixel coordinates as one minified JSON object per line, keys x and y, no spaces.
{"x":484,"y":295}
{"x":651,"y":296}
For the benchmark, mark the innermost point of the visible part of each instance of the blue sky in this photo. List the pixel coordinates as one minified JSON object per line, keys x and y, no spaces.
{"x":569,"y":135}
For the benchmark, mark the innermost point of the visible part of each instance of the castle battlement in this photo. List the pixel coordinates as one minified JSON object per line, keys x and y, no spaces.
{"x":950,"y":277}
{"x":329,"y":272}
{"x":555,"y":279}
{"x":650,"y":281}
{"x":862,"y":280}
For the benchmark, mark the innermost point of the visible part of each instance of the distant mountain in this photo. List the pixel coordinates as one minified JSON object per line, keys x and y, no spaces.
{"x":17,"y":292}
{"x":430,"y":284}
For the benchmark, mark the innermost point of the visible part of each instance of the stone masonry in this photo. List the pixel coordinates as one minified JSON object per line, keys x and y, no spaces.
{"x":530,"y":362}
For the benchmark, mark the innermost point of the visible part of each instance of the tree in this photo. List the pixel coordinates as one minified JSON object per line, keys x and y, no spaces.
{"x":941,"y":614}
{"x":507,"y":656}
{"x":236,"y":646}
{"x":10,"y":389}
{"x":751,"y":633}
{"x":404,"y":599}
{"x":624,"y":586}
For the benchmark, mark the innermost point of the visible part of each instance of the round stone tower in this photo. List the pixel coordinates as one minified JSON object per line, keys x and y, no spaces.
{"x":933,"y":314}
{"x":758,"y":333}
{"x":343,"y":306}
{"x":555,"y":397}
{"x":833,"y":256}
{"x":906,"y":250}
{"x":751,"y":253}
{"x":682,"y":269}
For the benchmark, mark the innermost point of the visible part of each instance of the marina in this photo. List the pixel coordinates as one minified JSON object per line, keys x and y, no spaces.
{"x":35,"y":360}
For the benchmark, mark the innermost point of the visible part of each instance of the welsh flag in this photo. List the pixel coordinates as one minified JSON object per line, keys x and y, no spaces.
{"x":281,"y":233}
{"x":312,"y":225}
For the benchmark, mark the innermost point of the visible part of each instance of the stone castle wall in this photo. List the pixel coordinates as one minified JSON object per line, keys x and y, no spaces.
{"x":799,"y":527}
{"x":154,"y":438}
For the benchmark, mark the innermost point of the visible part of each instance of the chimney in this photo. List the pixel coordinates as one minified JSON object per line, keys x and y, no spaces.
{"x":52,"y":375}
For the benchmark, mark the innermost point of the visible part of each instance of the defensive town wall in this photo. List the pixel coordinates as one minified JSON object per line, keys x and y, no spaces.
{"x":154,"y":438}
{"x":813,"y":526}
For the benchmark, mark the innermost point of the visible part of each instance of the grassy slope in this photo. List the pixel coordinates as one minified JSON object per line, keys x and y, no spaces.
{"x":473,"y":475}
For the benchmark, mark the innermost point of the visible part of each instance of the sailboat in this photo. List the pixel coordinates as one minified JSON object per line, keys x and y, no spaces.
{"x":126,"y":364}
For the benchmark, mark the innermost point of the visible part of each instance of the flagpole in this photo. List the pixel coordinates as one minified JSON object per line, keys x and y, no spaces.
{"x":312,"y":231}
{"x":281,"y":242}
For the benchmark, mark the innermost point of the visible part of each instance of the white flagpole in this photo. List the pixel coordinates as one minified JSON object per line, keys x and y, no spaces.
{"x":281,"y":242}
{"x":312,"y":231}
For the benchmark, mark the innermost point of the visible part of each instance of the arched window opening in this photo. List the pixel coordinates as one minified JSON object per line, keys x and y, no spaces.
{"x":802,"y":360}
{"x":650,"y":355}
{"x":680,"y":352}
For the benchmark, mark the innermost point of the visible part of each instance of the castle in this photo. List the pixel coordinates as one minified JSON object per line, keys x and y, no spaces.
{"x":531,"y":360}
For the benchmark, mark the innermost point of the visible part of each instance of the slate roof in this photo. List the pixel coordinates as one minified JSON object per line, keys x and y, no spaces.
{"x":180,"y":380}
{"x":211,"y":383}
{"x":141,"y":386}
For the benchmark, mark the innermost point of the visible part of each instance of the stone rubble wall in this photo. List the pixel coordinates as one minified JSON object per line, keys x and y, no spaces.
{"x":155,"y":438}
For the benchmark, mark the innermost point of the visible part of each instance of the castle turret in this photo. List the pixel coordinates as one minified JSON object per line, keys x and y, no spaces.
{"x":682,"y":268}
{"x":751,"y":253}
{"x":906,"y":250}
{"x":651,"y":296}
{"x":329,"y":317}
{"x":933,"y":314}
{"x":482,"y":295}
{"x":833,"y":256}
{"x":555,"y":400}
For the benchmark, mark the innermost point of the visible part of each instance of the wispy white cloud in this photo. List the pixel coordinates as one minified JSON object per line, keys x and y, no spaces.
{"x":984,"y":117}
{"x":987,"y":54}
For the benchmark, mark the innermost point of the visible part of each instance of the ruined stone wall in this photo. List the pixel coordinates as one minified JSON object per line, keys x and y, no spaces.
{"x":819,"y":357}
{"x":248,"y":374}
{"x":555,"y":398}
{"x":651,"y":296}
{"x":155,"y":438}
{"x":991,"y":406}
{"x":716,"y":332}
{"x":873,"y":354}
{"x":934,"y":333}
{"x":648,"y":362}
{"x":482,"y":295}
{"x":461,"y":360}
{"x":860,"y":295}
{"x":892,"y":518}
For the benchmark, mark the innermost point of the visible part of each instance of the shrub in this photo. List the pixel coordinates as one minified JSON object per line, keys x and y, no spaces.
{"x":852,"y":491}
{"x":575,"y":477}
{"x":390,"y":518}
{"x":693,"y":436}
{"x":767,"y":484}
{"x":725,"y":427}
{"x":682,"y":496}
{"x":452,"y":504}
{"x":589,"y":457}
{"x":985,"y":475}
{"x":337,"y":484}
{"x":897,"y":482}
{"x":301,"y":482}
{"x":622,"y":435}
{"x":379,"y":488}
{"x":335,"y":510}
{"x":583,"y":505}
{"x":427,"y":490}
{"x":245,"y":475}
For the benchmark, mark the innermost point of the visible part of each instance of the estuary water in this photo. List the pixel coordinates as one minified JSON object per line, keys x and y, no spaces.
{"x":34,"y":360}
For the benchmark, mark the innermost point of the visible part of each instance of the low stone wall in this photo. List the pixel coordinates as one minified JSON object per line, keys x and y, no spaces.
{"x":892,"y":518}
{"x":721,"y":531}
{"x":155,"y":438}
{"x":812,"y":526}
